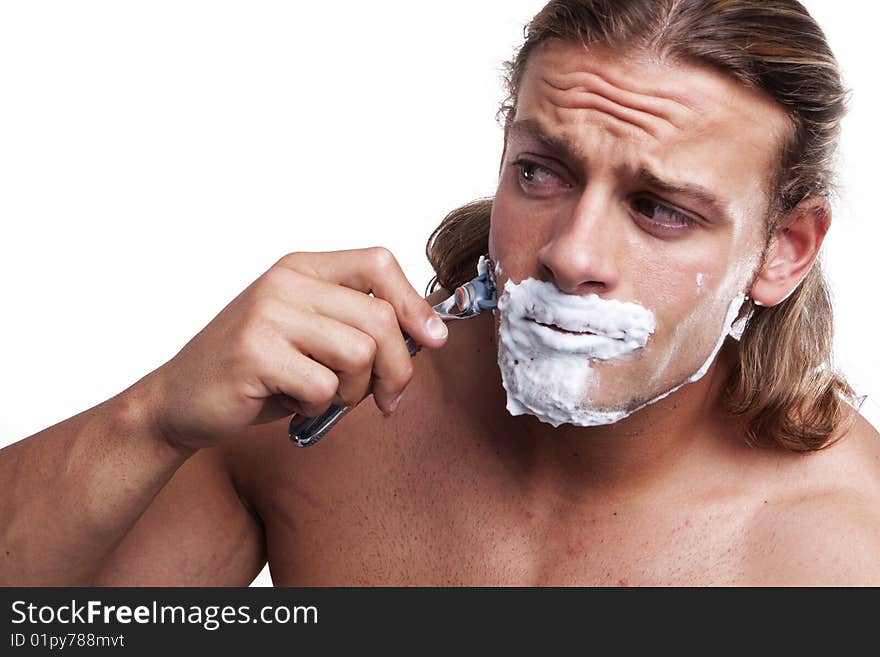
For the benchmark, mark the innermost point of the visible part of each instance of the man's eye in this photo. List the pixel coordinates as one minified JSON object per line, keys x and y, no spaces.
{"x":531,"y":174}
{"x":662,"y":216}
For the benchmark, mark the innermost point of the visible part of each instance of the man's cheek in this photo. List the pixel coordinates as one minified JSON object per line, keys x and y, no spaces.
{"x":684,"y":326}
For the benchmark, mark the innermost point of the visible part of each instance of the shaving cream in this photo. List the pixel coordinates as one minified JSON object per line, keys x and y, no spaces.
{"x":548,"y":342}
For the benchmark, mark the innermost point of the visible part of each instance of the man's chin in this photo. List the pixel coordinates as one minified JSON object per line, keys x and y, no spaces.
{"x":601,"y":410}
{"x":556,"y":412}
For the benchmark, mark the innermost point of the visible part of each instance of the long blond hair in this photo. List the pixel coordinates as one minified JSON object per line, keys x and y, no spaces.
{"x":784,"y":383}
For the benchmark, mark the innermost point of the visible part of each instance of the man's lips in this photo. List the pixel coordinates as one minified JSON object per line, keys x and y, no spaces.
{"x":559,"y":329}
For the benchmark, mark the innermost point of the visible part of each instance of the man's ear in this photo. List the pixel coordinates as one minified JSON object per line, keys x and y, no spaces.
{"x":793,"y":249}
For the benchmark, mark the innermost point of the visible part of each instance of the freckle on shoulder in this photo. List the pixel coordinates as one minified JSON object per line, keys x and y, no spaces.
{"x":827,"y":532}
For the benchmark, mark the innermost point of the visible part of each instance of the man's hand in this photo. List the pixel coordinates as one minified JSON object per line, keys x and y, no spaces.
{"x":305,"y":335}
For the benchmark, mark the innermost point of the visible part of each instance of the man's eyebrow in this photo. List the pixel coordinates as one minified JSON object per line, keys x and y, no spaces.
{"x":699,"y":194}
{"x":531,"y":129}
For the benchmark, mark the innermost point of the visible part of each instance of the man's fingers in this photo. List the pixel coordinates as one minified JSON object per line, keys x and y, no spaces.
{"x":375,"y":270}
{"x":392,"y":363}
{"x":345,"y":350}
{"x":313,"y":330}
{"x":310,"y":383}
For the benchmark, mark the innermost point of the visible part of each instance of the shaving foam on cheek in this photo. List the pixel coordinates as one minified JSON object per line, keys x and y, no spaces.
{"x":547,"y":341}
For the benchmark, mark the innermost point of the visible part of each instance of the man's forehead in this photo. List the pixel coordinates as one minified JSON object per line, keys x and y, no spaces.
{"x":659,"y":98}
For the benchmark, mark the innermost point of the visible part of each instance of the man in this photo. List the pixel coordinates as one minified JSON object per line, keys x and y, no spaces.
{"x":596,"y":430}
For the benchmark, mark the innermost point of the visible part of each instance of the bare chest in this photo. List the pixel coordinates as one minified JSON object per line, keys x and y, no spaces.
{"x":442,"y":523}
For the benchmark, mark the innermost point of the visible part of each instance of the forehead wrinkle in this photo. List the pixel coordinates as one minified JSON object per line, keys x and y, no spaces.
{"x":655,"y":104}
{"x":578,"y":98}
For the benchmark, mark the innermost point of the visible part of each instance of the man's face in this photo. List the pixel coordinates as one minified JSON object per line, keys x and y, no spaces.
{"x":638,"y":182}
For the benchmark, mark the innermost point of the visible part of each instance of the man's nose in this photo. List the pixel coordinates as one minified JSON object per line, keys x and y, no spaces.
{"x":582,"y":255}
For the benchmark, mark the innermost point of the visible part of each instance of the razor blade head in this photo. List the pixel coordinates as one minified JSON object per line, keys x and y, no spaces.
{"x":476,"y":296}
{"x":479,"y":293}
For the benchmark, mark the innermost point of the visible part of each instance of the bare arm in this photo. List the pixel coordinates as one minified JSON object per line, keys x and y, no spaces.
{"x":197,"y":532}
{"x":315,"y":329}
{"x":72,"y":491}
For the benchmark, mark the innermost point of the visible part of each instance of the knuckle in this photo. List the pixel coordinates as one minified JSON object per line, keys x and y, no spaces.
{"x":322,"y":388}
{"x":384,"y":313}
{"x":277,"y":278}
{"x":272,"y":277}
{"x":363,"y":351}
{"x":415,"y":307}
{"x":264,"y":307}
{"x":291,"y":259}
{"x":407,"y":371}
{"x":247,"y":349}
{"x":382,"y":258}
{"x":402,"y":374}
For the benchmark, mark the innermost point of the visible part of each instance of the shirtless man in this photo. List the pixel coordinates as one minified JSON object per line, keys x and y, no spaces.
{"x":188,"y":478}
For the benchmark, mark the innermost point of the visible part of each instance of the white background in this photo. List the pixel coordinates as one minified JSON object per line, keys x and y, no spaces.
{"x":156,"y":157}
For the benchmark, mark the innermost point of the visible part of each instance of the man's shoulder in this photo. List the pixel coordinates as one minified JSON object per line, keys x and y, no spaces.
{"x":824,"y":530}
{"x":826,"y":540}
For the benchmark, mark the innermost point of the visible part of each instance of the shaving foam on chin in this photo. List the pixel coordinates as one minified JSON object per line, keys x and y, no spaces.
{"x":547,"y":372}
{"x":547,"y":340}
